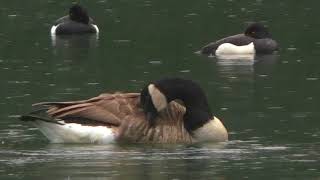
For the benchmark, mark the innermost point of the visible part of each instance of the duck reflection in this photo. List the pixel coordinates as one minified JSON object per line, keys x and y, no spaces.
{"x":71,"y":46}
{"x":246,"y":59}
{"x":75,"y":41}
{"x":243,"y":68}
{"x":239,"y":83}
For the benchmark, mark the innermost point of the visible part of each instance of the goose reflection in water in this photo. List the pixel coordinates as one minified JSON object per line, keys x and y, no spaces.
{"x":132,"y":161}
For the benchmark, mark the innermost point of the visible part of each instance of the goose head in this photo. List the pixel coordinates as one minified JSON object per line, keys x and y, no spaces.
{"x":153,"y":101}
{"x":257,"y":31}
{"x":198,"y":118}
{"x":78,"y":14}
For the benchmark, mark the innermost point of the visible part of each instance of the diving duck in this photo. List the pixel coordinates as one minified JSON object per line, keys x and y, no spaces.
{"x":256,"y":39}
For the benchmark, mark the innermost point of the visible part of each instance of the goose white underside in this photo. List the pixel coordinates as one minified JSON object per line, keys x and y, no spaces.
{"x":231,"y":49}
{"x":75,"y":133}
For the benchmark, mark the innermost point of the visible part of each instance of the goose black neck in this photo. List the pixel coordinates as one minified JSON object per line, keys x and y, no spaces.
{"x":197,"y":108}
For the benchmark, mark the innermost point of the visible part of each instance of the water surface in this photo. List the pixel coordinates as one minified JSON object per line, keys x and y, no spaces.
{"x":270,"y":107}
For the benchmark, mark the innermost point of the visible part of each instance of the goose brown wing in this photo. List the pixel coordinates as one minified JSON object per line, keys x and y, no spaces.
{"x":109,"y":109}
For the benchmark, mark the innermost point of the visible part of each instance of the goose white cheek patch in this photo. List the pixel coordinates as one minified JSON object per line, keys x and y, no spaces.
{"x":158,"y":99}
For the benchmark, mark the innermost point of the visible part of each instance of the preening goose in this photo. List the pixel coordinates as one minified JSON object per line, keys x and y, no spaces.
{"x":77,"y":22}
{"x":152,"y":116}
{"x":255,"y":40}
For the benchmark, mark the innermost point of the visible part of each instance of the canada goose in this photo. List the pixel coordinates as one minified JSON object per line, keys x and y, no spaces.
{"x":255,"y":40}
{"x":151,"y":116}
{"x":78,"y":21}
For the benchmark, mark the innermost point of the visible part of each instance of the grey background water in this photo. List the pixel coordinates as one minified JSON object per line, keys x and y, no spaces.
{"x":271,"y":107}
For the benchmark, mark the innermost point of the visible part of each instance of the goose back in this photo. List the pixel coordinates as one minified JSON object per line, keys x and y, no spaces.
{"x":122,"y":113}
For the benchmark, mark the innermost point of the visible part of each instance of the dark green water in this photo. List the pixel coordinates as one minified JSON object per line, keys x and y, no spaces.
{"x":271,"y":107}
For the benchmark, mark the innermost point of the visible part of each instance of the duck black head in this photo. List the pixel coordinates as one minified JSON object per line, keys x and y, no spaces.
{"x":257,"y":31}
{"x":78,"y":14}
{"x":156,"y":96}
